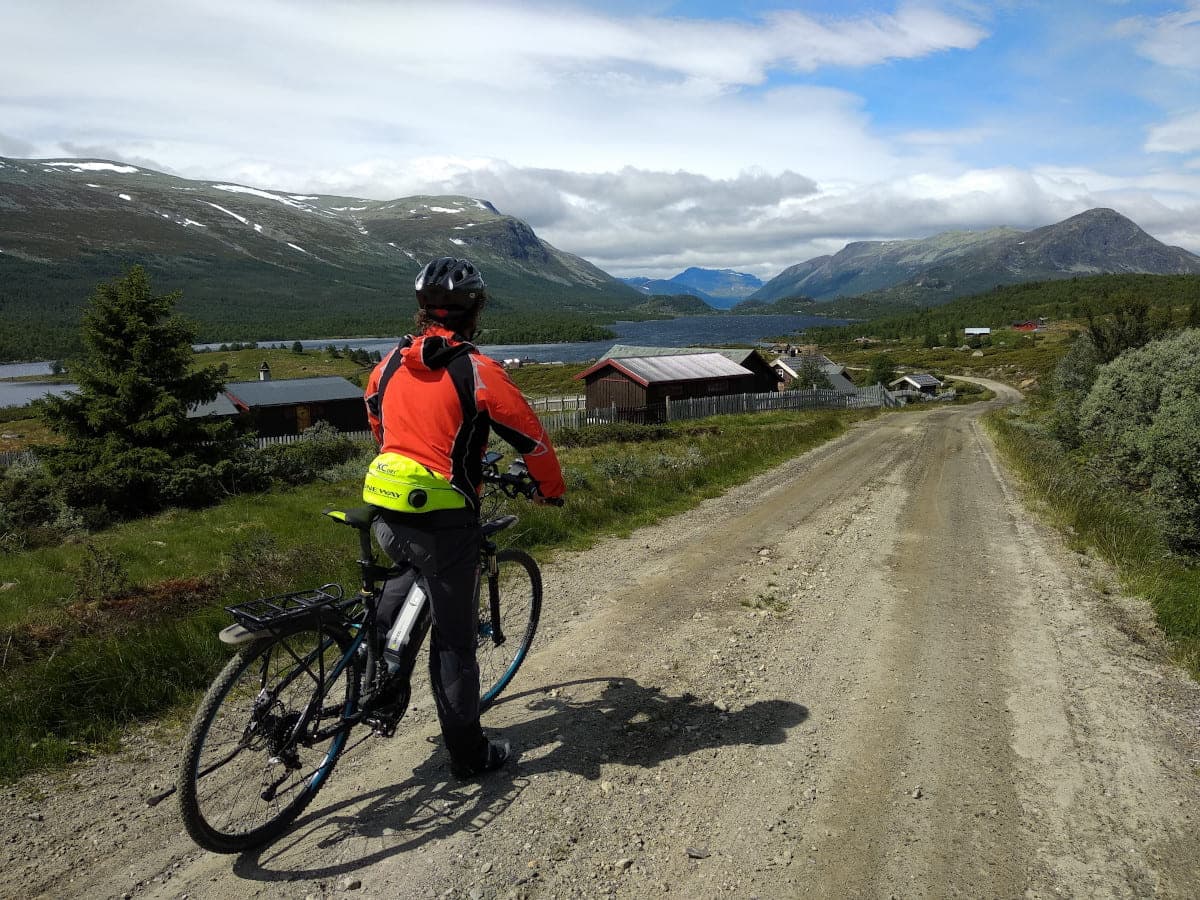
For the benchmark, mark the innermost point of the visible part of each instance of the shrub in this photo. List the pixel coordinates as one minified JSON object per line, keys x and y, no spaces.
{"x":100,"y":575}
{"x":1070,"y":383}
{"x":320,"y":447}
{"x":883,"y":370}
{"x":1143,"y":415}
{"x":27,"y":505}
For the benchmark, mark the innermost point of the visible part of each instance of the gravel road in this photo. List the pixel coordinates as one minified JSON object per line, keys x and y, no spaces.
{"x":866,"y":673}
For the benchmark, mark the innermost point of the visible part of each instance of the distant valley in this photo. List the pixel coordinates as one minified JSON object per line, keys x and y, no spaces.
{"x":719,"y":288}
{"x":254,"y":264}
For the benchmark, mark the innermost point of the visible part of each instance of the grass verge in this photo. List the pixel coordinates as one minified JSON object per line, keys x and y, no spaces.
{"x":121,"y":627}
{"x":1113,"y":524}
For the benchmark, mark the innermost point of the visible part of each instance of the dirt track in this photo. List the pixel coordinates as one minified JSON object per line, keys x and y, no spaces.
{"x":935,"y":699}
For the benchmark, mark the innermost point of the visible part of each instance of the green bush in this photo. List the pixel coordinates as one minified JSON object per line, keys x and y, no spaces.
{"x":28,"y":505}
{"x":320,"y":447}
{"x":1143,"y":417}
{"x":1070,"y":384}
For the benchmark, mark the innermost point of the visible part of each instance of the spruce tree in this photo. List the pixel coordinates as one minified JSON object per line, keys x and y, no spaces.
{"x":129,"y":445}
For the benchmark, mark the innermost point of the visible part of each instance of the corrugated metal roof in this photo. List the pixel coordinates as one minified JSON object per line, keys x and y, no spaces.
{"x":685,"y":367}
{"x":838,"y":381}
{"x":627,"y":351}
{"x":920,"y":379}
{"x":287,"y":391}
{"x":834,"y":372}
{"x":221,"y":406}
{"x":794,"y":361}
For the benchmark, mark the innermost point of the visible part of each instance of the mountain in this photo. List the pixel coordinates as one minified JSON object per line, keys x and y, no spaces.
{"x":725,"y":286}
{"x":258,"y":264}
{"x":719,"y":288}
{"x":664,"y":287}
{"x":935,"y":270}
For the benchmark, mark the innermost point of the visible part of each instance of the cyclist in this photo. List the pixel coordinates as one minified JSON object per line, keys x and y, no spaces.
{"x":431,"y":402}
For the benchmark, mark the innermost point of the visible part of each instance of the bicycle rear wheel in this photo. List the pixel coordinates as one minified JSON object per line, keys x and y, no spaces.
{"x":253,"y":758}
{"x":506,"y":633}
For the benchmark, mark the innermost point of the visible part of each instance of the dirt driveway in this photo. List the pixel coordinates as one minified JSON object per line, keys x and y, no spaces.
{"x":867,"y":673}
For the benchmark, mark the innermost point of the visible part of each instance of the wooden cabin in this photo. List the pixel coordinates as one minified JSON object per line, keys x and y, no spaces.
{"x":290,"y":405}
{"x":765,"y":377}
{"x":639,"y":387}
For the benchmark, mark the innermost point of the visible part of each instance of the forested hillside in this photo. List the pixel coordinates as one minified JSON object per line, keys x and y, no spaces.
{"x":1072,"y":298}
{"x":263,"y":265}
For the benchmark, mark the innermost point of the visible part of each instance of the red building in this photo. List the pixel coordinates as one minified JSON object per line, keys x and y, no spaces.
{"x":639,"y":387}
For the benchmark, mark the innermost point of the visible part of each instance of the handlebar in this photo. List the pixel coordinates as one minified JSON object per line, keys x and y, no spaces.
{"x":516,"y":481}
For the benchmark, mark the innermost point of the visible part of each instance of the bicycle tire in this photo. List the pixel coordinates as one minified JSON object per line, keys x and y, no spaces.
{"x":520,"y":586}
{"x":237,"y":747}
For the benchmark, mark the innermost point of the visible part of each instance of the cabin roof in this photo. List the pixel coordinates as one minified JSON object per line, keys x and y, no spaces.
{"x":647,"y":370}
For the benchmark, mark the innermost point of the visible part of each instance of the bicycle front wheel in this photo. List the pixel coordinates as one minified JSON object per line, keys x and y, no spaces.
{"x":509,"y":606}
{"x":264,"y":738}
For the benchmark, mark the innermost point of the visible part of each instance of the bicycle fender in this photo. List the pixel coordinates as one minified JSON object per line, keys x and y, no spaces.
{"x":238,"y":634}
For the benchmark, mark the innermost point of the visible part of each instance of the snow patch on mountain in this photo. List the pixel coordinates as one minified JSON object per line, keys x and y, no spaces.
{"x":266,"y":195}
{"x":227,"y":212}
{"x":96,"y":167}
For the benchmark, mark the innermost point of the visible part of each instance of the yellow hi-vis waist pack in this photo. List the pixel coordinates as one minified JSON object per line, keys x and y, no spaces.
{"x":396,"y":482}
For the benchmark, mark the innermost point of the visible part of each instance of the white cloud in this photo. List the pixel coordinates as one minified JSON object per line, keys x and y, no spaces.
{"x":1179,"y":135}
{"x":634,"y":221}
{"x":1170,"y":40}
{"x":645,"y":143}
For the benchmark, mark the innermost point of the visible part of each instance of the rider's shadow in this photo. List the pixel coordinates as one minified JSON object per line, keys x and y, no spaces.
{"x":627,"y":724}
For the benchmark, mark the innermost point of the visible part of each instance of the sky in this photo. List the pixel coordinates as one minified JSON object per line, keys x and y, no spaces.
{"x":644,"y":136}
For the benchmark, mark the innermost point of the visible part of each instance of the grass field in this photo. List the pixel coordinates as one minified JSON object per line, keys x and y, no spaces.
{"x":1012,"y":357}
{"x":1099,"y":518}
{"x":122,"y":625}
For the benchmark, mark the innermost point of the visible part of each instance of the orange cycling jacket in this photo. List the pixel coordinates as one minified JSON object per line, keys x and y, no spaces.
{"x":433,"y":399}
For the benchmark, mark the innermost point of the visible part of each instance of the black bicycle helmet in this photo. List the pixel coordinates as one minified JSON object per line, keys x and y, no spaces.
{"x":449,"y":283}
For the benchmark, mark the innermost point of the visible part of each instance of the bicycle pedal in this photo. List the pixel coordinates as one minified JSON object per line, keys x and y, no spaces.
{"x":383,"y":726}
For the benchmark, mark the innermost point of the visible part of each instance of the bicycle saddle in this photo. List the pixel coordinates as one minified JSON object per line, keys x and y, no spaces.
{"x":358,"y":517}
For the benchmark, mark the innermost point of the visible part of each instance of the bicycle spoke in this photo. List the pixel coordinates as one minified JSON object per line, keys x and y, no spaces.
{"x":258,"y":748}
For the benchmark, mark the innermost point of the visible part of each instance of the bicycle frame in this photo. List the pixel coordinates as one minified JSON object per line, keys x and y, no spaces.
{"x":372,"y":670}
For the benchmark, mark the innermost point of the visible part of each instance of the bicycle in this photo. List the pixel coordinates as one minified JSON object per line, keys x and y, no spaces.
{"x":312,"y":665}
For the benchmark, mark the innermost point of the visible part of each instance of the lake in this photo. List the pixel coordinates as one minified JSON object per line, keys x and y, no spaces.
{"x":684,"y":331}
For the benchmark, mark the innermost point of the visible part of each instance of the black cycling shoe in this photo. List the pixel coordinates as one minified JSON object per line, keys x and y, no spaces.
{"x":496,"y":756}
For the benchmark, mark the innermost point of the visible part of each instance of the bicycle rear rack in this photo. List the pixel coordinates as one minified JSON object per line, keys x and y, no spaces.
{"x":284,"y":609}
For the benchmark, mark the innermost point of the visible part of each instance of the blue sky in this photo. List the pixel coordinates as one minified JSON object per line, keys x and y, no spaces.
{"x":646,"y":137}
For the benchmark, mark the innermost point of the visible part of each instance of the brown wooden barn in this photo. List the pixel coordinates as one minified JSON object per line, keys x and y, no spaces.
{"x":638,"y":387}
{"x":765,"y":376}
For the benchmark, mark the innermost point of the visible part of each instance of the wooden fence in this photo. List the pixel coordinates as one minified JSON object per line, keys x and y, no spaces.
{"x":296,"y":438}
{"x":557,"y":404}
{"x":703,"y":407}
{"x":571,"y":414}
{"x":8,"y":457}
